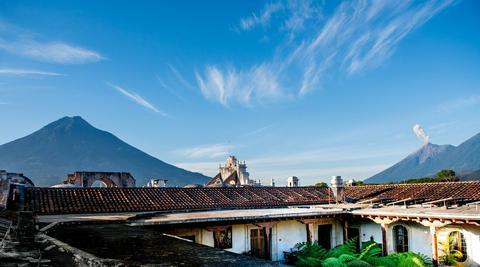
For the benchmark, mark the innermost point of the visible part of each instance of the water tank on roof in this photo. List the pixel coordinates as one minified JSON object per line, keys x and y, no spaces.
{"x":337,"y":181}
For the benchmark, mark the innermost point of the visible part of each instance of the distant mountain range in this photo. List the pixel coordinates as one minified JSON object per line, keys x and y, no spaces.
{"x":72,"y":144}
{"x":429,"y":159}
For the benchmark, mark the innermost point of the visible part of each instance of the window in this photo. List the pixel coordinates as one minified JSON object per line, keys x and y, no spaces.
{"x":458,"y":245}
{"x":400,"y":235}
{"x":223,"y":238}
{"x":99,"y":183}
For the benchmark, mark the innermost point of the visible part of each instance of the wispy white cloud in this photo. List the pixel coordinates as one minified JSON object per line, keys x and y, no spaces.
{"x":263,"y":19}
{"x":136,"y":98}
{"x":460,"y":103}
{"x":259,"y":83}
{"x":207,"y":151}
{"x":356,"y":36}
{"x":22,"y":72}
{"x":176,"y":83}
{"x":258,"y":131}
{"x":170,"y":89}
{"x":56,"y":52}
{"x":291,"y":15}
{"x":21,"y":42}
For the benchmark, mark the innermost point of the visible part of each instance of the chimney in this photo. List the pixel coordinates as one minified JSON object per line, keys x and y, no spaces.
{"x":292,"y":181}
{"x":337,"y":188}
{"x":272,"y":183}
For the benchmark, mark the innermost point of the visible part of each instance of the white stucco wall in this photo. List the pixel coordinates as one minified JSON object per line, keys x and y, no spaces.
{"x":419,"y":238}
{"x":337,"y":235}
{"x":472,"y":236}
{"x":207,"y":238}
{"x":239,"y":239}
{"x":370,"y":229}
{"x":472,"y":239}
{"x":288,"y":233}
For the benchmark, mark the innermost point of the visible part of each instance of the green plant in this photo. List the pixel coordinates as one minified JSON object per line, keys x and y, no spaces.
{"x":346,"y":255}
{"x":450,"y":256}
{"x":309,"y":254}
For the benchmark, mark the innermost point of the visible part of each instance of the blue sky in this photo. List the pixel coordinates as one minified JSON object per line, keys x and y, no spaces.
{"x":311,"y":89}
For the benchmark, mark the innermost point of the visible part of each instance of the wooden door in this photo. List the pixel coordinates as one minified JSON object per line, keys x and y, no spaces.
{"x":257,"y":243}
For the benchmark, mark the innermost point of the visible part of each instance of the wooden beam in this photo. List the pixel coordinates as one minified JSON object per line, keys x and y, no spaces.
{"x":433,"y":233}
{"x":310,"y":232}
{"x":383,"y":220}
{"x":317,"y":220}
{"x":217,"y":228}
{"x":267,"y":231}
{"x":474,"y":223}
{"x":384,"y":239}
{"x":345,"y":231}
{"x":265,"y":224}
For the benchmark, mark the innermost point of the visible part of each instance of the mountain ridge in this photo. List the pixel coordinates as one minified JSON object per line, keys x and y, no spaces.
{"x":72,"y":144}
{"x":431,"y":158}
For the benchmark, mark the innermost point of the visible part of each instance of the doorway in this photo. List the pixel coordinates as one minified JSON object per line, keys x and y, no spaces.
{"x":325,"y":236}
{"x":354,"y":232}
{"x":257,"y":243}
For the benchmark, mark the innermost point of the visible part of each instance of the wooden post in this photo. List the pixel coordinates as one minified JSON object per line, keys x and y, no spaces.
{"x":433,"y":233}
{"x":267,"y":242}
{"x":345,"y":231}
{"x":310,"y":232}
{"x":267,"y":228}
{"x":384,"y":239}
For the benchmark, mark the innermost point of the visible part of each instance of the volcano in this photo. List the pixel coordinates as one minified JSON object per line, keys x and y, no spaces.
{"x":72,"y":144}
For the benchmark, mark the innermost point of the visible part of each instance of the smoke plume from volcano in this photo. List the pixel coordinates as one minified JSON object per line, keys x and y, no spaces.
{"x":420,"y":133}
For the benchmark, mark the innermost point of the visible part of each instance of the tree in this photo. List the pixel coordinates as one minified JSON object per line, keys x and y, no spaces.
{"x":446,"y":174}
{"x":321,"y":184}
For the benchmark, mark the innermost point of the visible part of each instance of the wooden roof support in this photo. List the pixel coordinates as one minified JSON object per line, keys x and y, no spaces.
{"x":444,"y":201}
{"x":217,"y":228}
{"x":316,"y":220}
{"x":434,"y":223}
{"x":266,"y":224}
{"x":371,"y":201}
{"x":404,"y":201}
{"x":472,"y":222}
{"x":476,"y":204}
{"x":384,"y":220}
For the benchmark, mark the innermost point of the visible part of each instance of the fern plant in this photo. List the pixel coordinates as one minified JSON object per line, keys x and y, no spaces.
{"x":346,"y":255}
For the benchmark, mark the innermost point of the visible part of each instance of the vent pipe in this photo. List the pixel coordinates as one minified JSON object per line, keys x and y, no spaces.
{"x":337,"y":188}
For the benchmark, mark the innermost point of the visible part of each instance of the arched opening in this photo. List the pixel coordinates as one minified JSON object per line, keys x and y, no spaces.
{"x":457,"y":246}
{"x":400,"y":234}
{"x":98,"y":183}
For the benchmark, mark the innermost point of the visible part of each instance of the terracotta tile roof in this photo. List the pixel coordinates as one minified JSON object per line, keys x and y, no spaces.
{"x":109,"y":200}
{"x":468,"y":190}
{"x":105,"y":200}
